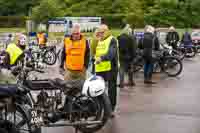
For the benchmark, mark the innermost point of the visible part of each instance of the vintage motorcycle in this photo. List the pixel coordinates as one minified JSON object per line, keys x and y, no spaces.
{"x":81,"y":104}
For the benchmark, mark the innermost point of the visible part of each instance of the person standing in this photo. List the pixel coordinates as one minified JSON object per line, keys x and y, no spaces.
{"x":172,"y":37}
{"x":75,"y":56}
{"x":186,"y":39}
{"x":106,"y":61}
{"x":42,"y":38}
{"x":15,"y":51}
{"x":149,"y":44}
{"x":127,"y":53}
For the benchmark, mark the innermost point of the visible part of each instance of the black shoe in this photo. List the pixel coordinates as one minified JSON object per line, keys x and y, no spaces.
{"x":112,"y":115}
{"x":121,"y":85}
{"x":149,"y":82}
{"x":131,"y":84}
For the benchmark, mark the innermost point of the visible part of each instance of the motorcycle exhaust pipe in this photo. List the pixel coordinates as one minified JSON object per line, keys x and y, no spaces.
{"x":78,"y":123}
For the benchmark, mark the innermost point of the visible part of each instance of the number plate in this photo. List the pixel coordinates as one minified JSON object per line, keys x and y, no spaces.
{"x":35,"y":117}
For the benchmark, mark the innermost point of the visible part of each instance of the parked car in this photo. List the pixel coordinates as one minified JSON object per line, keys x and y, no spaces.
{"x":196,"y":39}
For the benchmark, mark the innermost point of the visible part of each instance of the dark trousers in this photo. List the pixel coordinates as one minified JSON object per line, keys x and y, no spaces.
{"x":148,"y":70}
{"x":111,"y":78}
{"x":126,"y":69}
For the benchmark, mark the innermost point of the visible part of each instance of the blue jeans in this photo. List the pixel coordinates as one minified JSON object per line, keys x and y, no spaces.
{"x":148,"y":70}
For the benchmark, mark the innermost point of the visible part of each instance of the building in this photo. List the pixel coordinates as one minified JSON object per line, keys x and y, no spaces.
{"x":88,"y":24}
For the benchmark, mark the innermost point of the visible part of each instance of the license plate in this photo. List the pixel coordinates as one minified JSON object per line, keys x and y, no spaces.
{"x":36,"y":118}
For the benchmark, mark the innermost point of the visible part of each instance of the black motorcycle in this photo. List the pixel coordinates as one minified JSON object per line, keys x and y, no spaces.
{"x":189,"y":51}
{"x":47,"y":54}
{"x":62,"y":100}
{"x":164,"y":61}
{"x":13,"y":109}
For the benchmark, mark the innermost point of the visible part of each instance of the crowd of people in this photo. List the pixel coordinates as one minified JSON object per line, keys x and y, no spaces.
{"x":109,"y":55}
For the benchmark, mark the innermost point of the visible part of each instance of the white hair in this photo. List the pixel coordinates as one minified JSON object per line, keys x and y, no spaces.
{"x":149,"y":29}
{"x":76,"y":27}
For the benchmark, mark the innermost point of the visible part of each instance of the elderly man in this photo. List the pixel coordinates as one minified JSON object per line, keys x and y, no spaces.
{"x":75,"y":55}
{"x":149,"y":43}
{"x":106,"y":61}
{"x":172,"y":37}
{"x":127,"y":53}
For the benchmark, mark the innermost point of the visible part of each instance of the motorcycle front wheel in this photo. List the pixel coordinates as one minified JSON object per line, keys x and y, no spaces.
{"x":98,"y":109}
{"x":172,"y":66}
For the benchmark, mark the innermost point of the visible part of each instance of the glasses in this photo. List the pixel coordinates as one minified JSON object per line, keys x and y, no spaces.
{"x":100,"y":33}
{"x":75,"y":34}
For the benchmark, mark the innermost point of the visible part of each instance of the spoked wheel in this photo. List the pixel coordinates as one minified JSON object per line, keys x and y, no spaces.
{"x":91,"y":110}
{"x":8,"y":127}
{"x":50,"y":57}
{"x":172,"y":66}
{"x":20,"y":119}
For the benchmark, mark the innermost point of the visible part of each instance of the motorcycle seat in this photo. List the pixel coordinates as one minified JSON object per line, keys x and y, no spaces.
{"x":70,"y":84}
{"x":7,"y":90}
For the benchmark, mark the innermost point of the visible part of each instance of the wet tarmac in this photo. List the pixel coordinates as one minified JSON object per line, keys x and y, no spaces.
{"x":170,"y":106}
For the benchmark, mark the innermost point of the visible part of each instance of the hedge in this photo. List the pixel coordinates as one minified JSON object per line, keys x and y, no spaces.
{"x":114,"y":21}
{"x":13,"y":21}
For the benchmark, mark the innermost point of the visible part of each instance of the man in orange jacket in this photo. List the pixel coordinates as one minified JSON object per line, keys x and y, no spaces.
{"x":75,"y":56}
{"x":42,"y":39}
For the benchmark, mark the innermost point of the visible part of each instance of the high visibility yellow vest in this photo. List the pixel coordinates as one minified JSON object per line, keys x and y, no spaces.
{"x":75,"y":54}
{"x":101,"y":50}
{"x":14,"y":53}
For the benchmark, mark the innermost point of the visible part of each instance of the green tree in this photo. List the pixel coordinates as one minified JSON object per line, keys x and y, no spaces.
{"x":15,"y":7}
{"x":47,"y":9}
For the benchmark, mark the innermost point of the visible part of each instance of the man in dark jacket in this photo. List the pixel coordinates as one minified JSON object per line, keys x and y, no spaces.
{"x":186,"y":39}
{"x":149,"y":44}
{"x":172,"y":37}
{"x":106,"y":61}
{"x":127,"y":53}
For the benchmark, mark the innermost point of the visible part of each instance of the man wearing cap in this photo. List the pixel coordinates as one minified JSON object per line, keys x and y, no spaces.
{"x":75,"y":55}
{"x":172,"y":37}
{"x":106,"y":61}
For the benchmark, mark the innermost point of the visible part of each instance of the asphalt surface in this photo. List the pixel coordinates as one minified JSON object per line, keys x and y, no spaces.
{"x":170,"y":106}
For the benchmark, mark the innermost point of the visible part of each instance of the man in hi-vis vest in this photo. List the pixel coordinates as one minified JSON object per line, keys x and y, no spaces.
{"x":15,"y":51}
{"x":75,"y":55}
{"x":106,"y":61}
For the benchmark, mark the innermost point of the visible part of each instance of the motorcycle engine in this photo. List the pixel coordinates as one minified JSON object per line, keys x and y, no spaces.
{"x":43,"y":100}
